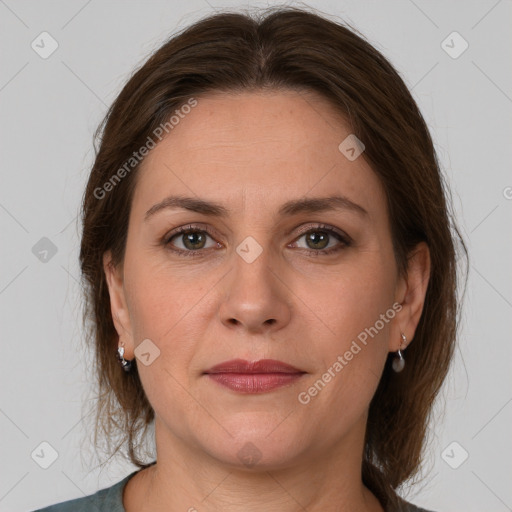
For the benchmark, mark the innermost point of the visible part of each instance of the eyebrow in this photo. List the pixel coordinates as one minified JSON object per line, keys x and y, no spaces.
{"x":293,"y":207}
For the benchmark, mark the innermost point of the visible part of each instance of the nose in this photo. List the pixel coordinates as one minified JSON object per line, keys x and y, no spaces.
{"x":255,"y":298}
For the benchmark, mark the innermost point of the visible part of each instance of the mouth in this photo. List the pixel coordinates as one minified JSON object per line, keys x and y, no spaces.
{"x":254,"y":377}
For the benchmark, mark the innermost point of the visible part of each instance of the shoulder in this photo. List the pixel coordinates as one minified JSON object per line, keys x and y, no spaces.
{"x":109,"y":499}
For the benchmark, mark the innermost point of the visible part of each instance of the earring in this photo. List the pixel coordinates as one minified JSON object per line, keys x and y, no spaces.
{"x":127,"y":365}
{"x":399,"y":361}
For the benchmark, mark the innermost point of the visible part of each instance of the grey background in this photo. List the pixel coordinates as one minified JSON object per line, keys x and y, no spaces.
{"x":49,"y":110}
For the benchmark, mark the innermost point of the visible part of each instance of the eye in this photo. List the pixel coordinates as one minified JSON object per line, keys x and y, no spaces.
{"x":322,"y":240}
{"x":192,"y":240}
{"x":189,"y":240}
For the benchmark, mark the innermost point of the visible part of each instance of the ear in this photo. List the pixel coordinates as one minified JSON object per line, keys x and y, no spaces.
{"x":411,"y":291}
{"x":118,"y":305}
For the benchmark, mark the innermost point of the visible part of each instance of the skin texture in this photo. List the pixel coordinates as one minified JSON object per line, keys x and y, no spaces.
{"x":252,"y":152}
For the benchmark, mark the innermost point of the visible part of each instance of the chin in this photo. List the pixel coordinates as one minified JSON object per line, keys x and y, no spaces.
{"x":259,"y":446}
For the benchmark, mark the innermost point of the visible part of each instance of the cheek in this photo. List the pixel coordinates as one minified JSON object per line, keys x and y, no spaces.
{"x":160,"y":308}
{"x":354,"y":298}
{"x":352,"y":359}
{"x":159,"y":296}
{"x":356,"y":312}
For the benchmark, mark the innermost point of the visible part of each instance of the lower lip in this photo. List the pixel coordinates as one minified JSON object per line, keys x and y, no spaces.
{"x":255,"y":382}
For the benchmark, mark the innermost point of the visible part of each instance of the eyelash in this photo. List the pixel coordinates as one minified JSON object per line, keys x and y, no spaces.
{"x":345,"y":240}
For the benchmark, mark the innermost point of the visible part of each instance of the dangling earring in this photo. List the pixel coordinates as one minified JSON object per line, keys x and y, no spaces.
{"x":127,"y":365}
{"x":399,"y":361}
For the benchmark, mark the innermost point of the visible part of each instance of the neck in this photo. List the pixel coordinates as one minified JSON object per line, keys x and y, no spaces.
{"x":186,"y":479}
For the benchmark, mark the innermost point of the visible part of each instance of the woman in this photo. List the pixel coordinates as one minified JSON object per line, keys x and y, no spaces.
{"x":268,"y":254}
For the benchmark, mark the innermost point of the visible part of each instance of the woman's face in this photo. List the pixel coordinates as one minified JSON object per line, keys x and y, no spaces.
{"x":251,"y":285}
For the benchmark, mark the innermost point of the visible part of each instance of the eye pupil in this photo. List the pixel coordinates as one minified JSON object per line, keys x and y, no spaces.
{"x":318,"y":237}
{"x":190,"y":238}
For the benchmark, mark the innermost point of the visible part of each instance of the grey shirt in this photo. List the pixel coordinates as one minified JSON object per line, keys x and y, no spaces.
{"x":111,"y":500}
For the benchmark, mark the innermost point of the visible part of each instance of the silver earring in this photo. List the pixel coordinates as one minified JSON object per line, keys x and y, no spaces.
{"x":127,"y":365}
{"x":399,"y":361}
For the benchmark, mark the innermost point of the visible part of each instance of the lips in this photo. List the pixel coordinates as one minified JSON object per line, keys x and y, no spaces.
{"x":255,"y":367}
{"x":260,"y":376}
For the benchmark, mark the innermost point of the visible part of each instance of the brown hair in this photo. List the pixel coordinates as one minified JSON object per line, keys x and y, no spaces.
{"x":286,"y":48}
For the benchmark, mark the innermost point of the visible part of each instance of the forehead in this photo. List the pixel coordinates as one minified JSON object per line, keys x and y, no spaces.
{"x":257,"y":150}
